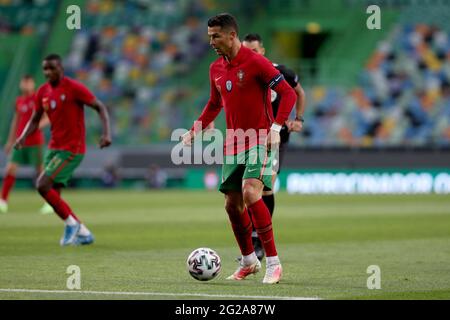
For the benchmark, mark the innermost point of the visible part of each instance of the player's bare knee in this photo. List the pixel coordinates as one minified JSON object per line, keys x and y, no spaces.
{"x":11,"y":169}
{"x":251,"y":191}
{"x":250,"y":195}
{"x":233,"y":208}
{"x":42,"y":185}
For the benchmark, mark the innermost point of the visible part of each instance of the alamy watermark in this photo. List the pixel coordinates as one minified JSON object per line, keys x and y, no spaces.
{"x":73,"y":21}
{"x":374,"y":20}
{"x":374,"y":280}
{"x":74,"y":280}
{"x":246,"y":147}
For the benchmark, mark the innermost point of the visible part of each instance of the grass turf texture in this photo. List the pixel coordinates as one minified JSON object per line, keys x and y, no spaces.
{"x":143,"y":239}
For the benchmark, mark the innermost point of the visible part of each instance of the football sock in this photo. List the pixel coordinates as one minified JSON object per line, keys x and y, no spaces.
{"x":249,"y":259}
{"x":263,"y":225}
{"x":84,"y":231}
{"x":242,"y":228}
{"x":61,"y":208}
{"x":272,"y":260}
{"x":269,"y":200}
{"x":8,"y":183}
{"x":70,"y":221}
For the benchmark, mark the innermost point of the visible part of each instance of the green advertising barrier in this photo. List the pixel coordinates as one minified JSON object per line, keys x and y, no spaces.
{"x":367,"y":181}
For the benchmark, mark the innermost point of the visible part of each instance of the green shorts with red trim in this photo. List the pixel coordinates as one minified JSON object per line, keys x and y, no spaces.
{"x":60,"y":165}
{"x":253,"y":163}
{"x":28,"y":156}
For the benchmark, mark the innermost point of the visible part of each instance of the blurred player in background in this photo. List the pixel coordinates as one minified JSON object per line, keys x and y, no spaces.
{"x":32,"y":152}
{"x":63,"y":100}
{"x":254,"y":42}
{"x":239,"y":82}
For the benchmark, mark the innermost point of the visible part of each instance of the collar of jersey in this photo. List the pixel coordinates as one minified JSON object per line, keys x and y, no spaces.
{"x":63,"y":80}
{"x":238,"y":59}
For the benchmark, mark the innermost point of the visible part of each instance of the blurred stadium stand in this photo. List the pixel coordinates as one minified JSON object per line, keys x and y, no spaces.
{"x":378,"y":94}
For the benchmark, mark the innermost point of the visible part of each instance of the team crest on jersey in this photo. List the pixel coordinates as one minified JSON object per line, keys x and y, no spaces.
{"x":45,"y":104}
{"x":240,"y":75}
{"x":53,"y":104}
{"x":229,"y":85}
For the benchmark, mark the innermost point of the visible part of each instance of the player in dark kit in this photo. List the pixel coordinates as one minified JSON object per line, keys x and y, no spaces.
{"x":63,"y":100}
{"x":240,"y":82}
{"x":254,"y":42}
{"x":31,"y":154}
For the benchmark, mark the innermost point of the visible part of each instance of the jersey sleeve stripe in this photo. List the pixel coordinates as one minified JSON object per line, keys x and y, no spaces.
{"x":276,"y":80}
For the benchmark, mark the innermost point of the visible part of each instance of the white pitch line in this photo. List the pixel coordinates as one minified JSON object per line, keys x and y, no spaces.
{"x":167,"y":294}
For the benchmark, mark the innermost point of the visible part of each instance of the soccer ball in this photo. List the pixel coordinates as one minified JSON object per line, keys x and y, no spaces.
{"x":203,"y":264}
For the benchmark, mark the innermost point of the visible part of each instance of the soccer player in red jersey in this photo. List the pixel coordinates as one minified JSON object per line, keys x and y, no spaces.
{"x":31,"y":154}
{"x":63,"y":100}
{"x":240,"y":82}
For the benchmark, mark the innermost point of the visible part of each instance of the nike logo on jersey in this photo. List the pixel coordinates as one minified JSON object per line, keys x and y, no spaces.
{"x":277,"y":79}
{"x":218,"y":78}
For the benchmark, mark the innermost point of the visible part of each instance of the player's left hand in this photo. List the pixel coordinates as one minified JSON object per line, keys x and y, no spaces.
{"x":187,"y":138}
{"x":294,"y":125}
{"x":273,"y":140}
{"x":105,"y":141}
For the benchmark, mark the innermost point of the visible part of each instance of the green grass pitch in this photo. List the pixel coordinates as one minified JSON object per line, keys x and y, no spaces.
{"x":325,"y":243}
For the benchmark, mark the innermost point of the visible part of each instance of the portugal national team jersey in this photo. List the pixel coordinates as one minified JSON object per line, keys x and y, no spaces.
{"x":64,"y":105}
{"x":24,"y":111}
{"x":241,"y":87}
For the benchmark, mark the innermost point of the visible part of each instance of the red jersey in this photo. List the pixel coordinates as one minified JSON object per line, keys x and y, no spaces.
{"x":64,"y":105}
{"x":24,"y":111}
{"x":242,"y":88}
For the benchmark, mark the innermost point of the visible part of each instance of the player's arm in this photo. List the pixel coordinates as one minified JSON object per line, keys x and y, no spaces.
{"x":210,"y":126}
{"x":32,"y":126}
{"x":292,"y":78}
{"x":12,"y":133}
{"x":272,"y":77}
{"x":85,"y":96}
{"x":105,"y":139}
{"x":45,"y":121}
{"x":287,"y":101}
{"x":210,"y":112}
{"x":297,"y":124}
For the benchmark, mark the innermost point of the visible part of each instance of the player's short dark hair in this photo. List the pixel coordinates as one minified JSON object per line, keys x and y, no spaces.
{"x":225,"y":21}
{"x":53,"y":56}
{"x":250,"y":37}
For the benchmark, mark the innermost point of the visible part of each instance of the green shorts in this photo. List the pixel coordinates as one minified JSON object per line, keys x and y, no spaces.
{"x":60,"y":165}
{"x":28,"y":156}
{"x":253,"y":163}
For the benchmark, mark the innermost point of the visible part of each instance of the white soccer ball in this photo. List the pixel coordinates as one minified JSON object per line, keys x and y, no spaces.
{"x":203,"y":264}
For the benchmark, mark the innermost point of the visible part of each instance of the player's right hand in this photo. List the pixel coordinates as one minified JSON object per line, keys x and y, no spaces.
{"x":105,"y":141}
{"x":19,"y":144}
{"x":187,"y":138}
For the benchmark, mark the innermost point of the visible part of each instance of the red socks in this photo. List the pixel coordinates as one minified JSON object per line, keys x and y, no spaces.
{"x":8,"y":183}
{"x":61,"y":208}
{"x":263,"y":225}
{"x":242,"y":228}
